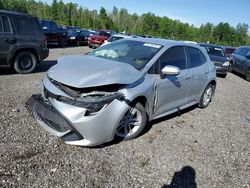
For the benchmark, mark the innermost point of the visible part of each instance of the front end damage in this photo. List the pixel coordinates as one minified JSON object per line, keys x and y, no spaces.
{"x":86,"y":116}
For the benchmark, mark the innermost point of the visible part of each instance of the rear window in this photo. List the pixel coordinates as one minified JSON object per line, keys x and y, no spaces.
{"x":114,"y":38}
{"x":5,"y":26}
{"x":174,"y":56}
{"x":25,"y":25}
{"x":196,"y":57}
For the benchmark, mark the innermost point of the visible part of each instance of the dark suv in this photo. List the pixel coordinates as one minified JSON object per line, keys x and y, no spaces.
{"x":240,"y":61}
{"x":54,"y":33}
{"x":22,"y":42}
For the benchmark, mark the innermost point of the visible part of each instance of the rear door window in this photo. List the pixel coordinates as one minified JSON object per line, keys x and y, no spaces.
{"x":174,"y":56}
{"x":25,"y":25}
{"x":196,"y":57}
{"x":5,"y":26}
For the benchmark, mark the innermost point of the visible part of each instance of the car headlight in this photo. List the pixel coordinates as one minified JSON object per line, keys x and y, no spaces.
{"x":72,"y":37}
{"x":226,"y":64}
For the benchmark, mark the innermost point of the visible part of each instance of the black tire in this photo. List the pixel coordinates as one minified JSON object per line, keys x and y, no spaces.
{"x":138,"y":129}
{"x":77,"y":43}
{"x":62,"y":42}
{"x":90,"y":46}
{"x":206,"y":97}
{"x":247,"y":75}
{"x":25,"y":62}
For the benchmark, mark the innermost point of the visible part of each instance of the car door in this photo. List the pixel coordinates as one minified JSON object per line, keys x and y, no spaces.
{"x":239,"y":60}
{"x":7,"y":38}
{"x":171,"y":91}
{"x":200,"y":70}
{"x":243,"y":65}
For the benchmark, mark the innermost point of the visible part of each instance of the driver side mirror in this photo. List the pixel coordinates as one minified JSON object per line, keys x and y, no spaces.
{"x":170,"y":70}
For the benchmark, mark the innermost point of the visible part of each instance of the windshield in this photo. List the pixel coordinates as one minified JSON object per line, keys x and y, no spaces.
{"x":114,"y":38}
{"x":135,"y":53}
{"x":214,"y":50}
{"x":72,"y":32}
{"x":104,"y":33}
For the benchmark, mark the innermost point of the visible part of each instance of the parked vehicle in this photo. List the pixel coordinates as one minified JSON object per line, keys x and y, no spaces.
{"x":116,"y":89}
{"x":94,"y":41}
{"x":228,"y":50}
{"x":116,"y":37}
{"x":78,"y":37}
{"x":22,"y":42}
{"x":240,"y":61}
{"x":217,"y":56}
{"x":54,"y":33}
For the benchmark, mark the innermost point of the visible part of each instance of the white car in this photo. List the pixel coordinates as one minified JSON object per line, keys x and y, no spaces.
{"x":117,"y":37}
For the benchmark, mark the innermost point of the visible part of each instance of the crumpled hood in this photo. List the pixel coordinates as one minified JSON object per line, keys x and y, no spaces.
{"x":89,"y":71}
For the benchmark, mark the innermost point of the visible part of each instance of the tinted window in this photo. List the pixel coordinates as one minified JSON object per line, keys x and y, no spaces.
{"x":53,"y":26}
{"x":1,"y":25}
{"x":237,"y":51}
{"x":196,"y":57}
{"x":174,"y":56}
{"x":25,"y":25}
{"x":5,"y":24}
{"x":243,"y":51}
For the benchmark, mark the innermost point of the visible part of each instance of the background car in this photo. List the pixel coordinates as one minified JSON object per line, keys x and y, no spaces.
{"x":116,"y":89}
{"x":228,"y":50}
{"x":94,"y":41}
{"x":116,"y":37}
{"x":240,"y":61}
{"x":22,"y":42}
{"x":217,"y":56}
{"x":54,"y":33}
{"x":78,"y":37}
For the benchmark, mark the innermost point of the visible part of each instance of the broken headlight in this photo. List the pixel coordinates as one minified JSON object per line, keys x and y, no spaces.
{"x":93,"y":102}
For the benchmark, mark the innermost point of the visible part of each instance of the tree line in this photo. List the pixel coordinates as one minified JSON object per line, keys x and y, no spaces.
{"x":120,"y":20}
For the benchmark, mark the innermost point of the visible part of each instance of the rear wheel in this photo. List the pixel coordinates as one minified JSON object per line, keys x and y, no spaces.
{"x":77,"y":43}
{"x":206,"y":96}
{"x":25,"y":62}
{"x":132,"y":123}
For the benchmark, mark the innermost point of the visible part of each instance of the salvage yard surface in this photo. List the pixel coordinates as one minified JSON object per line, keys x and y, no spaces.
{"x":202,"y":147}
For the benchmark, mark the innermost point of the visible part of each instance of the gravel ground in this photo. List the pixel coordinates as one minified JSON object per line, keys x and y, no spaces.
{"x":202,"y":147}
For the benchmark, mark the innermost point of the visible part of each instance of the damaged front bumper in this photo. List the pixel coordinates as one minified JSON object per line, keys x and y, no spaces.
{"x":74,"y":123}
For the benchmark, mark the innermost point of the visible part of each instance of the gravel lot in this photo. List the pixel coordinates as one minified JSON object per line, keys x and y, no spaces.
{"x":204,"y":147}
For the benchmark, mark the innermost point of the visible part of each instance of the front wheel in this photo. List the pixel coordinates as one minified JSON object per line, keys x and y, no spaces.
{"x":132,"y":123}
{"x":206,"y":96}
{"x":62,"y":42}
{"x":247,"y":76}
{"x":25,"y":62}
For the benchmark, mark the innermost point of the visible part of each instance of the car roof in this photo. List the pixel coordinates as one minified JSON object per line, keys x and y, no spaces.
{"x":164,"y":42}
{"x":120,"y":35}
{"x":13,"y":12}
{"x":208,"y":44}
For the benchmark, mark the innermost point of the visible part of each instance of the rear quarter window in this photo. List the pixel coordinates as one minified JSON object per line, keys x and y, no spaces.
{"x":5,"y":26}
{"x":25,"y":25}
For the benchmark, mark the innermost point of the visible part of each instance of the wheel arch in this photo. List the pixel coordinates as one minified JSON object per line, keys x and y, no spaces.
{"x":32,"y":50}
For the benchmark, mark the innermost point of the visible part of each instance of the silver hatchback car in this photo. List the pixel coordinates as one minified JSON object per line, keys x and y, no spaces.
{"x":116,"y":89}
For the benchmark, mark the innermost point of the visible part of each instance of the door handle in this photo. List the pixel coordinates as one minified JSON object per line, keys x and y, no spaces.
{"x":11,"y":41}
{"x":187,"y":77}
